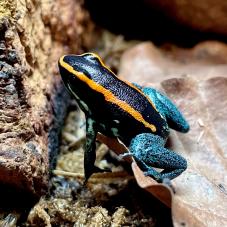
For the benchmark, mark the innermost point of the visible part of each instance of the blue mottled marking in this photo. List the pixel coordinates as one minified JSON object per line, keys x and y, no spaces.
{"x":168,"y":110}
{"x":148,"y":150}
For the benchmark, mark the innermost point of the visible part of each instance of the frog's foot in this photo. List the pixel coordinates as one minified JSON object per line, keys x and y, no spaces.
{"x":99,"y":170}
{"x":95,"y":169}
{"x":148,"y":170}
{"x":154,"y":174}
{"x":172,"y":173}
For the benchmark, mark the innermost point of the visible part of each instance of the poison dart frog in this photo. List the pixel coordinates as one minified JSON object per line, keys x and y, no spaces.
{"x":139,"y":117}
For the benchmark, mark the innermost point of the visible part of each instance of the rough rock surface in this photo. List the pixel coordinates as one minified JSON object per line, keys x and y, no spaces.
{"x":33,"y":35}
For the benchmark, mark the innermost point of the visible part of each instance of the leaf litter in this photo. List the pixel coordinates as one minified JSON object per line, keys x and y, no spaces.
{"x":196,"y":81}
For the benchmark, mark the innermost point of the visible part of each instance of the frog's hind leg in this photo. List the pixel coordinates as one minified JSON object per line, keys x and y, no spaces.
{"x":172,"y":163}
{"x":148,"y":150}
{"x":148,"y":170}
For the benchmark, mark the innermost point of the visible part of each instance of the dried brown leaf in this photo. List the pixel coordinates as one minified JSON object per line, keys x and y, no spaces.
{"x":201,"y":199}
{"x":196,"y":80}
{"x":145,"y":63}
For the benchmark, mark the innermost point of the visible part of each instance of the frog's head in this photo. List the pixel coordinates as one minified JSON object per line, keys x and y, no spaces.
{"x":74,"y":67}
{"x":81,"y":73}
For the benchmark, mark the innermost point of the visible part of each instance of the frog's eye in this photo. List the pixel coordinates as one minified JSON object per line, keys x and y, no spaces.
{"x":93,"y":58}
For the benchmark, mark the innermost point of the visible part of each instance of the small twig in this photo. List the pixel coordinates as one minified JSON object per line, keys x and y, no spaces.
{"x":95,"y":176}
{"x":77,"y":143}
{"x":67,"y":174}
{"x":200,"y":136}
{"x":201,"y":123}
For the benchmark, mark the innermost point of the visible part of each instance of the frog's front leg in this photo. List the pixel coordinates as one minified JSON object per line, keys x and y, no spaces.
{"x":90,"y":147}
{"x":148,"y":151}
{"x":168,"y":110}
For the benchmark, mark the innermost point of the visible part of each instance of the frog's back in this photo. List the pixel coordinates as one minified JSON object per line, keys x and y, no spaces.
{"x":118,"y":105}
{"x":127,"y":105}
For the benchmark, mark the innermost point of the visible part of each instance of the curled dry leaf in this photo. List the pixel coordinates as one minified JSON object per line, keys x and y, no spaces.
{"x":200,"y":198}
{"x":146,"y":64}
{"x":200,"y":92}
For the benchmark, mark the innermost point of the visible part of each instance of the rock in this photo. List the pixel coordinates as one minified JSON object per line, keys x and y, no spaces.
{"x":33,"y":101}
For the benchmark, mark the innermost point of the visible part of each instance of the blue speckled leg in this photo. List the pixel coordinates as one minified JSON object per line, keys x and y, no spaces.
{"x":148,"y":151}
{"x":148,"y":170}
{"x":90,"y":154}
{"x":168,"y":110}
